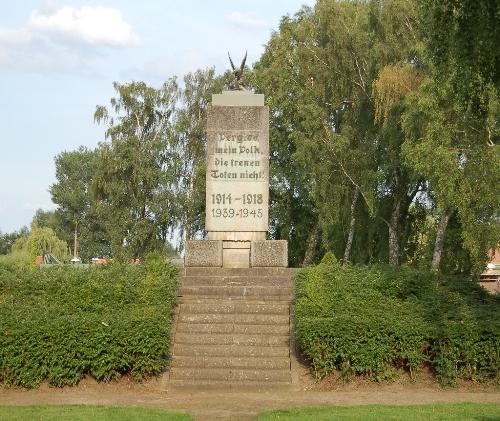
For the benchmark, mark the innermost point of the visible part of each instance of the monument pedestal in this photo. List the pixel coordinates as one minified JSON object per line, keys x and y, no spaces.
{"x":237,"y":189}
{"x":236,"y":254}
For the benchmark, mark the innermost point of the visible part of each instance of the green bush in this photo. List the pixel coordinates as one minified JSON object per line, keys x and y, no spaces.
{"x":59,"y":324}
{"x":370,"y":320}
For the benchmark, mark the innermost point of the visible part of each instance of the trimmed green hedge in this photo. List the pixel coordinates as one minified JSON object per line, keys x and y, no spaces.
{"x":59,"y":324}
{"x":370,"y":320}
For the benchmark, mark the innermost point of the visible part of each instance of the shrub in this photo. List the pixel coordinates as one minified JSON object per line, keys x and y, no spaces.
{"x":59,"y":324}
{"x":370,"y":320}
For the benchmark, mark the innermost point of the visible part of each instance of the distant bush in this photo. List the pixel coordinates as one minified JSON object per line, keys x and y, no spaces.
{"x":370,"y":320}
{"x":16,"y":258}
{"x":59,"y":324}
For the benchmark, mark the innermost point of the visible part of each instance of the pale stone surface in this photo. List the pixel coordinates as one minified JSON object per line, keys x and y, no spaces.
{"x":237,"y":191}
{"x":237,"y":186}
{"x":236,"y":244}
{"x":236,"y":258}
{"x":203,"y":253}
{"x":235,"y":98}
{"x":270,"y":253}
{"x":237,"y":235}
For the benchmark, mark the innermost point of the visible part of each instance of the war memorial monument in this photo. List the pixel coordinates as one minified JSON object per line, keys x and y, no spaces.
{"x":237,"y":184}
{"x":232,"y":327}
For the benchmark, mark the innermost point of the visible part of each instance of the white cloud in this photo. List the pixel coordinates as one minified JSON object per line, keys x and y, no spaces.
{"x":64,"y":39}
{"x":15,"y":37}
{"x":245,"y":20}
{"x":89,"y":25}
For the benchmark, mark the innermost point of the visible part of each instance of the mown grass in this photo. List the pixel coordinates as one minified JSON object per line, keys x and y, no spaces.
{"x":441,"y":412}
{"x":84,"y":413}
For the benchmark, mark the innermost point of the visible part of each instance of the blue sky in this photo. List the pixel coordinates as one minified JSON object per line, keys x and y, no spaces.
{"x":58,"y":60}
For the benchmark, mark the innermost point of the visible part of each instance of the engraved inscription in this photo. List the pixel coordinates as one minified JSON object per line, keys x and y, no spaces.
{"x":237,"y":181}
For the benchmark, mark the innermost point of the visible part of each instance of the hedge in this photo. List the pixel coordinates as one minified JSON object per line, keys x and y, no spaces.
{"x":60,"y":324}
{"x":373,"y":320}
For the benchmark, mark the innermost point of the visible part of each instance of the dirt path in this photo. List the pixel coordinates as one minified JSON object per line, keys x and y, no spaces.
{"x":218,"y":405}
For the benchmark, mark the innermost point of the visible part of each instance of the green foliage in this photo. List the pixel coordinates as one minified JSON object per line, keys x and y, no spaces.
{"x":134,"y":182}
{"x":318,"y":74}
{"x":59,"y":324}
{"x":461,"y":168}
{"x":76,"y":208}
{"x":462,"y":38}
{"x":191,"y":142}
{"x":383,"y":126}
{"x":39,"y":242}
{"x":8,"y":239}
{"x":364,"y":320}
{"x":19,"y":258}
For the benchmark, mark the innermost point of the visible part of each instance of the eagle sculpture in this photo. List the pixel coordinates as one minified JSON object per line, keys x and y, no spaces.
{"x":237,"y":83}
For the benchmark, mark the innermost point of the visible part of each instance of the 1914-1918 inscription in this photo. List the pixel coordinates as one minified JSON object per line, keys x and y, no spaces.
{"x":237,"y":178}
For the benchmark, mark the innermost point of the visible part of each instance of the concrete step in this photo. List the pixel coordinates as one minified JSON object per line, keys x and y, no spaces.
{"x":240,"y":319}
{"x":233,"y":329}
{"x":279,"y":281}
{"x":231,"y":339}
{"x":271,"y":292}
{"x":282,"y":329}
{"x":271,"y":363}
{"x":228,"y":307}
{"x":224,"y":385}
{"x":192,"y":350}
{"x":230,"y":374}
{"x":253,"y":272}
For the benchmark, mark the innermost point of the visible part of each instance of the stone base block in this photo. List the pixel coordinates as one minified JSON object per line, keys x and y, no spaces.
{"x":235,"y":244}
{"x":237,"y":235}
{"x":236,"y":258}
{"x":269,"y":253}
{"x":203,"y":253}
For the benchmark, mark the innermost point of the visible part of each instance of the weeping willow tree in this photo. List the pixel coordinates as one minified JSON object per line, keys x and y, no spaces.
{"x":38,"y":242}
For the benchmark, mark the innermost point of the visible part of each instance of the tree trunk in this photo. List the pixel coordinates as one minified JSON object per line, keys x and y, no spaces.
{"x":312,"y":242}
{"x":188,"y":220}
{"x":439,"y":243}
{"x":350,"y":237}
{"x":395,"y":233}
{"x":75,"y":244}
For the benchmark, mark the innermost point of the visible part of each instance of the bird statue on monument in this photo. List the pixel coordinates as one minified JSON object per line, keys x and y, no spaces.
{"x":237,"y":83}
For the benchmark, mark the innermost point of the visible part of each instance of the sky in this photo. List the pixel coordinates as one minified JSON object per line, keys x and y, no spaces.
{"x":58,"y":60}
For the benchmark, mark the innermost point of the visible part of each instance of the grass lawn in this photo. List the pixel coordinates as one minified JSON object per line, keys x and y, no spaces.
{"x":441,"y":412}
{"x":85,"y":413}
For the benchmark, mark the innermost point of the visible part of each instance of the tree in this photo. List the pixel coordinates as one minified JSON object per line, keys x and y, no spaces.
{"x":135,"y":180}
{"x":462,"y":39}
{"x":39,"y":242}
{"x":292,"y":212}
{"x":76,"y":219}
{"x":191,"y":144}
{"x":318,"y":74}
{"x":462,"y":170}
{"x":8,"y":239}
{"x":393,"y":84}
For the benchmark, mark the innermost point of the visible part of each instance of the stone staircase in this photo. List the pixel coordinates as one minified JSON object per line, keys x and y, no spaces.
{"x":232,"y":329}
